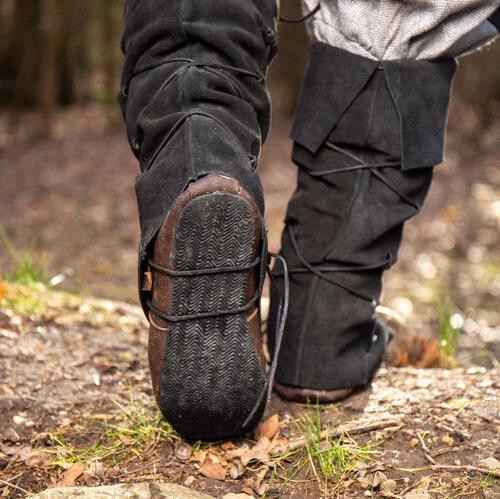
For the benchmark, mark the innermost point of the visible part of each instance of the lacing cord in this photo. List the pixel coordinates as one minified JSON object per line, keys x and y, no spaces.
{"x":281,"y":316}
{"x":303,"y":18}
{"x":199,"y":272}
{"x":267,"y":389}
{"x":321,"y":273}
{"x":320,"y":270}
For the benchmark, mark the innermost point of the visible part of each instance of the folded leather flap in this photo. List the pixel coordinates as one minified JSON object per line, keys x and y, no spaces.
{"x":419,"y":89}
{"x":333,"y":79}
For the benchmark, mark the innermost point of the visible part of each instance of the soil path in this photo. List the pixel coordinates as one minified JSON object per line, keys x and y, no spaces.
{"x":76,"y":409}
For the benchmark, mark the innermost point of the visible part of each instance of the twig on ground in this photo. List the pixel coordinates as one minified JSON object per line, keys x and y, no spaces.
{"x":462,"y":434}
{"x":456,"y":467}
{"x":349,"y":429}
{"x":410,"y":487}
{"x":13,"y":486}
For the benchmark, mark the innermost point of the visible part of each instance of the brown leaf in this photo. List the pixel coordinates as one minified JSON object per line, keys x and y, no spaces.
{"x":237,"y":469}
{"x":260,"y":452}
{"x":38,"y":460}
{"x":389,"y":487}
{"x":71,"y":475}
{"x":237,"y":496}
{"x":378,"y":479}
{"x":364,"y":482}
{"x":258,"y":485}
{"x":200,"y":455}
{"x":212,"y":470}
{"x":94,"y":468}
{"x":238,"y":452}
{"x":268,"y":428}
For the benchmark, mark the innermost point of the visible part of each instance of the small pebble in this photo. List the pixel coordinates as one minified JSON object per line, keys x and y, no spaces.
{"x":189,"y":480}
{"x":183,"y":452}
{"x":448,"y":440}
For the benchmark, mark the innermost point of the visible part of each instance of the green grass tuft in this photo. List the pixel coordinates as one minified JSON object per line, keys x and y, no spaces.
{"x":138,"y":432}
{"x":29,"y":268}
{"x":331,"y":459}
{"x":448,"y":333}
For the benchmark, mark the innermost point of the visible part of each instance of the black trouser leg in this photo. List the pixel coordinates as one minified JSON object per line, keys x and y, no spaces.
{"x":345,"y":221}
{"x":193,"y":96}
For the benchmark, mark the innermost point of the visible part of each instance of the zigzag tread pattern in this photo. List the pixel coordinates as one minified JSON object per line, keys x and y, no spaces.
{"x":211,"y":377}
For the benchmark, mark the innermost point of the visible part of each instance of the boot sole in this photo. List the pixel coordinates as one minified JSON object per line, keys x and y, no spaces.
{"x":211,"y":377}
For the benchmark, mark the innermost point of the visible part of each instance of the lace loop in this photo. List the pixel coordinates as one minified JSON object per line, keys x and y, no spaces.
{"x":281,"y":321}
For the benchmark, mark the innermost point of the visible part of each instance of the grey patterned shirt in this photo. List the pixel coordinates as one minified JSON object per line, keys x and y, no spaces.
{"x":403,"y":29}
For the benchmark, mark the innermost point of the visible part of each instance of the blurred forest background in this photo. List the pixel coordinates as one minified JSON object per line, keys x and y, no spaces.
{"x":67,"y":206}
{"x":56,"y":53}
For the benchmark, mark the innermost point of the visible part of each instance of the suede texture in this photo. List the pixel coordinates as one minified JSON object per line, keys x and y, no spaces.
{"x":420,"y":90}
{"x":193,"y":97}
{"x":350,"y":220}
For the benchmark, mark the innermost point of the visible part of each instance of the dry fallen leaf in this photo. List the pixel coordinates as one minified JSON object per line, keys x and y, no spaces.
{"x":38,"y":460}
{"x":259,"y":452}
{"x":268,"y":428}
{"x":237,"y":496}
{"x":237,"y":469}
{"x":363,"y":482}
{"x":200,"y":455}
{"x":71,"y":475}
{"x":388,"y":488}
{"x":378,"y":479}
{"x":94,"y":468}
{"x":238,"y":452}
{"x":212,"y":470}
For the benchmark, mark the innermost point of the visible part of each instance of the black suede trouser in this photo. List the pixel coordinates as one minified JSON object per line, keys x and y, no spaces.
{"x":194,"y":98}
{"x":366,"y":139}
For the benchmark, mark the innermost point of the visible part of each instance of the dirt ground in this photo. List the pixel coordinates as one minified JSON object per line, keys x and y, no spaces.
{"x":75,"y":398}
{"x":76,"y":409}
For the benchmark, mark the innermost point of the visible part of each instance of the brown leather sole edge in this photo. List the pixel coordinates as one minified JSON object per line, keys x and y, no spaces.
{"x":304,"y":395}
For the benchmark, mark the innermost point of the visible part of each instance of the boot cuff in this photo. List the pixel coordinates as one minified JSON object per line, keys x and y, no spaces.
{"x":419,"y":89}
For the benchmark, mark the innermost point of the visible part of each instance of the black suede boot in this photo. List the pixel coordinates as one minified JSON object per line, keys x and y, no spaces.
{"x":366,"y":137}
{"x":197,"y":111}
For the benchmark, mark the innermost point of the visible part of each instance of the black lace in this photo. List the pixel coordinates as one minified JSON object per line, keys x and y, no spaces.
{"x":303,"y":18}
{"x":281,"y":316}
{"x":267,"y":390}
{"x":320,"y":270}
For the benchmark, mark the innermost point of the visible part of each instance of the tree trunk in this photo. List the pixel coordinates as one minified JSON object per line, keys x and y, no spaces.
{"x":48,"y":83}
{"x":22,"y":53}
